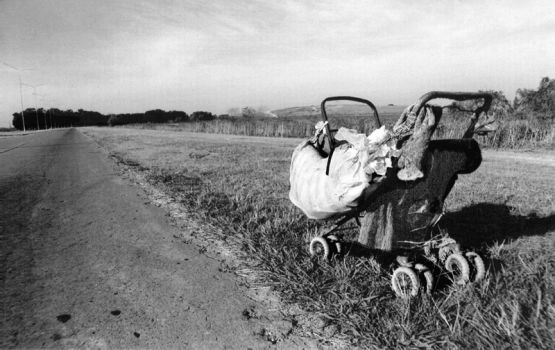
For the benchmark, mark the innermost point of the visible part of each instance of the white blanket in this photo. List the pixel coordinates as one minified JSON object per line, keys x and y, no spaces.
{"x":321,"y":196}
{"x":318,"y":195}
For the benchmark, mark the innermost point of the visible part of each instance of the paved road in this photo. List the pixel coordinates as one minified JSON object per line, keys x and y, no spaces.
{"x":86,"y":262}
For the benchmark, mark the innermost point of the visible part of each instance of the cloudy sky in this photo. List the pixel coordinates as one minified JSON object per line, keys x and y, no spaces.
{"x":134,"y":55}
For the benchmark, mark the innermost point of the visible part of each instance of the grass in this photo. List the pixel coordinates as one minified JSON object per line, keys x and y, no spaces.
{"x":513,"y":134}
{"x":504,"y":210}
{"x":294,"y":122}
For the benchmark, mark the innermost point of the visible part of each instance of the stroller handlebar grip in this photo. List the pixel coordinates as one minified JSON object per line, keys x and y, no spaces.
{"x":457,"y":96}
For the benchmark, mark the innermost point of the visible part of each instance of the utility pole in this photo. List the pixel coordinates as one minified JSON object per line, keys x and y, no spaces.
{"x":42,"y":100}
{"x":36,"y":111}
{"x":49,"y":105}
{"x":35,"y":94}
{"x":52,"y":103}
{"x":21,"y":99}
{"x":50,"y":113}
{"x":19,"y":70}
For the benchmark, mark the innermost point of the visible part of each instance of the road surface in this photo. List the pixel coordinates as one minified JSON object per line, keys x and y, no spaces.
{"x":86,"y":261}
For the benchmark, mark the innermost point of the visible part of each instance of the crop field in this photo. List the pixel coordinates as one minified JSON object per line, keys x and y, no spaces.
{"x":505,"y":210}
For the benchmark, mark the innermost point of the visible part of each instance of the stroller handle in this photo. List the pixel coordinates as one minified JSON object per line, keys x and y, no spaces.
{"x":349,"y":98}
{"x":457,"y":96}
{"x":329,"y":130}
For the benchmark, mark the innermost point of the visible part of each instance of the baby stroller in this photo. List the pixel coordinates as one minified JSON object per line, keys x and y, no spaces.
{"x":399,"y":215}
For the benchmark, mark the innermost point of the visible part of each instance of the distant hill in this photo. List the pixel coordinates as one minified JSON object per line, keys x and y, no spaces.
{"x":388,"y":114}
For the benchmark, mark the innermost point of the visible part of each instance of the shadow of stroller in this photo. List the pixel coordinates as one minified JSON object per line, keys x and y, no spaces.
{"x":483,"y":224}
{"x":474,"y":227}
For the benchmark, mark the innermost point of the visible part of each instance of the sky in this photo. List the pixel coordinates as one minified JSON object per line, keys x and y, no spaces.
{"x":136,"y":55}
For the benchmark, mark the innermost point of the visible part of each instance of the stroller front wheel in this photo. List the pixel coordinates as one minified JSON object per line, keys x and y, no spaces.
{"x":335,"y":240}
{"x":319,"y":247}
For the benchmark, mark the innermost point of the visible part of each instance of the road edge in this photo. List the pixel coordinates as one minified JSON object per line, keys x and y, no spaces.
{"x":307,"y":327}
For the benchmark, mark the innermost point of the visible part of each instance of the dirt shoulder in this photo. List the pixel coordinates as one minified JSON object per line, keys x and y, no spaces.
{"x":88,"y":261}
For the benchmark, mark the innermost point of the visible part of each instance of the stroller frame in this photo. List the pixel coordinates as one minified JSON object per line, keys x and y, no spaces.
{"x":408,"y":277}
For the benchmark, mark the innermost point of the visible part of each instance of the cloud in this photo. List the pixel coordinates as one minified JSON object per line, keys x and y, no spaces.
{"x":130,"y":55}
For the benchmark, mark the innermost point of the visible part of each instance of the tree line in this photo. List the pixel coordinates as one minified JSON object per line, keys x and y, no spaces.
{"x":536,"y":106}
{"x":55,"y":118}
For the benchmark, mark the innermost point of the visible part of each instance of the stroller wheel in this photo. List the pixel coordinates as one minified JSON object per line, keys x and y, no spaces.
{"x":427,"y":277}
{"x":333,"y":239}
{"x":319,"y":246}
{"x":458,"y":266}
{"x":404,"y":282}
{"x":477,"y":265}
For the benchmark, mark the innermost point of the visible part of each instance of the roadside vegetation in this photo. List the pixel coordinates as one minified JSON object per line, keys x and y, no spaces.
{"x":505,"y":210}
{"x":527,"y":122}
{"x":508,"y":133}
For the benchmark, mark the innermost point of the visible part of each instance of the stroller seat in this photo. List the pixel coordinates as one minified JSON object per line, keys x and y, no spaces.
{"x":398,"y":210}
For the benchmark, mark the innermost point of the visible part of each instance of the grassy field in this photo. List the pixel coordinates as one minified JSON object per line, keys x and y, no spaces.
{"x":505,"y":210}
{"x":298,"y":122}
{"x":4,"y":132}
{"x":292,"y":122}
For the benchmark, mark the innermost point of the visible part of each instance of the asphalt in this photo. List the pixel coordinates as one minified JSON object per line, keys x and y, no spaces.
{"x":87,"y":262}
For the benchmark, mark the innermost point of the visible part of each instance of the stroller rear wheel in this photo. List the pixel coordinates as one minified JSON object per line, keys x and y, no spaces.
{"x":427,"y":277}
{"x":457,"y":265}
{"x":477,"y":264}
